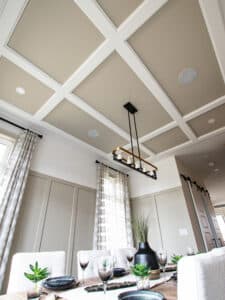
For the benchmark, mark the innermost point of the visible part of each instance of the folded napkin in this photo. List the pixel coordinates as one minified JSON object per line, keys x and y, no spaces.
{"x":110,"y":286}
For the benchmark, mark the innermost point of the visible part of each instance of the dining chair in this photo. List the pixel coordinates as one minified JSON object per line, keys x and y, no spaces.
{"x":92,"y":268}
{"x":120,"y":256}
{"x":201,"y":277}
{"x":54,"y":261}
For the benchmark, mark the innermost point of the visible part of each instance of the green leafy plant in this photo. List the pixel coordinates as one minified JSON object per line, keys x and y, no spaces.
{"x":37,"y":274}
{"x":141,"y":270}
{"x":140,"y":227}
{"x":175,"y":258}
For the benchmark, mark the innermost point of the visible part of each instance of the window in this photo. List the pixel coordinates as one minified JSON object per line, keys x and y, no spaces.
{"x":6,"y":146}
{"x":115,"y":213}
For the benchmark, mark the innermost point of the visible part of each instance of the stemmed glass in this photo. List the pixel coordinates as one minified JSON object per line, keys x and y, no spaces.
{"x":105,"y":270}
{"x":130,"y":257}
{"x":84,"y":261}
{"x":162,"y":259}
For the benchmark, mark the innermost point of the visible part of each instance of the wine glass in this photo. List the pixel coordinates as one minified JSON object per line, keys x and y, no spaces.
{"x":105,"y":270}
{"x":130,"y":257}
{"x":84,"y":261}
{"x":162,"y":259}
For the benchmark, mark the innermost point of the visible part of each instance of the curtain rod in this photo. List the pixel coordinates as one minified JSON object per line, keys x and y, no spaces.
{"x":98,"y":162}
{"x":19,"y":126}
{"x":187,"y":178}
{"x":219,"y":205}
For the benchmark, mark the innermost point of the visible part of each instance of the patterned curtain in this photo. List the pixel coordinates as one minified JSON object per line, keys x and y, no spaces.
{"x":112,"y":216}
{"x":11,"y":192}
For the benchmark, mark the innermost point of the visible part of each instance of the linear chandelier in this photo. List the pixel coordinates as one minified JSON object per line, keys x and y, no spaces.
{"x":130,"y":159}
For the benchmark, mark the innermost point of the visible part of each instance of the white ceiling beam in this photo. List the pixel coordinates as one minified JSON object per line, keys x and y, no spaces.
{"x":92,"y":62}
{"x":212,"y":134}
{"x":98,"y":17}
{"x":204,"y":109}
{"x":143,"y":12}
{"x":30,"y":68}
{"x":97,"y":115}
{"x":9,"y":18}
{"x":48,"y":106}
{"x":158,"y":131}
{"x":134,"y":62}
{"x":214,"y":19}
{"x":171,"y":151}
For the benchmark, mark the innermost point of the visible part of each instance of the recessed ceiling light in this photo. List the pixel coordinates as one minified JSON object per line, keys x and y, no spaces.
{"x":93,"y":133}
{"x":20,"y":90}
{"x":216,"y":170}
{"x":211,"y":164}
{"x":187,"y":75}
{"x":211,"y":121}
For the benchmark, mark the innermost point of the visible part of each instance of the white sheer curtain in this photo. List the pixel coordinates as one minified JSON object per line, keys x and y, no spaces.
{"x":112,"y":218}
{"x":11,"y":192}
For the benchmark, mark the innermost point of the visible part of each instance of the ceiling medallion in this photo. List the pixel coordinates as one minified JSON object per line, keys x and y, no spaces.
{"x":130,"y":159}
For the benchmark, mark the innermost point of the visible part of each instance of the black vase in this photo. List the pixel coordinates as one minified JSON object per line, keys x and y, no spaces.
{"x":146,"y":256}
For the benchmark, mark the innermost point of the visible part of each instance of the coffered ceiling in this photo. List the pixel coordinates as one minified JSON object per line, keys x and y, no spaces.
{"x":80,"y":61}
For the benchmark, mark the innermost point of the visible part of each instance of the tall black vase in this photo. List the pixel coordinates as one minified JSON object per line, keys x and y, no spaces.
{"x":146,"y":256}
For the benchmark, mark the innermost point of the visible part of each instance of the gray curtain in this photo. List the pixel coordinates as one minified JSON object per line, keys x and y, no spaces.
{"x":11,"y":192}
{"x":112,"y":216}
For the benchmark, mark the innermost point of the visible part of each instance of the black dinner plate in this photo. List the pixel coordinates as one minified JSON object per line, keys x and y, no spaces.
{"x":60,"y":282}
{"x":140,"y":295}
{"x":118,"y":272}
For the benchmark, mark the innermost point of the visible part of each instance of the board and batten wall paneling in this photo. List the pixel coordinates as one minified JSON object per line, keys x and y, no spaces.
{"x":169,"y":222}
{"x":55,"y":215}
{"x":30,"y":220}
{"x":56,"y":233}
{"x":29,"y":224}
{"x":84,"y":228}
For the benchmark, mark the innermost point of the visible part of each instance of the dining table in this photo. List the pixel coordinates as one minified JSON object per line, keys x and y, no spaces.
{"x":164,"y":285}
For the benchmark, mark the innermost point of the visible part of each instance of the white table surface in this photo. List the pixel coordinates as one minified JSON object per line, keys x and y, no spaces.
{"x":81,"y":293}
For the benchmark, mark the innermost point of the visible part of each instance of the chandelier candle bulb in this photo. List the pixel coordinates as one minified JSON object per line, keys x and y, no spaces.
{"x":129,"y":160}
{"x":137,"y":164}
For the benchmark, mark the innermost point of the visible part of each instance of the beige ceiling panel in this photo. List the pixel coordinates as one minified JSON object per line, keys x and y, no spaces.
{"x":12,"y":77}
{"x":113,"y":84}
{"x":209,"y":121}
{"x":166,"y":140}
{"x":56,"y":36}
{"x":118,"y":10}
{"x":74,"y":121}
{"x":176,"y":38}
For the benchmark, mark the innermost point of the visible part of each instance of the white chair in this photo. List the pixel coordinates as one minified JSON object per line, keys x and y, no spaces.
{"x":217,"y":251}
{"x":92,"y":268}
{"x":54,"y":261}
{"x":121,"y":256}
{"x":201,"y":277}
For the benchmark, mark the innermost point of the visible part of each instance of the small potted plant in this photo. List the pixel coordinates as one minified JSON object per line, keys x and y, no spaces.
{"x":175,"y":258}
{"x":142,"y":273}
{"x":145,"y":255}
{"x":37,"y":274}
